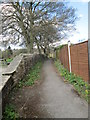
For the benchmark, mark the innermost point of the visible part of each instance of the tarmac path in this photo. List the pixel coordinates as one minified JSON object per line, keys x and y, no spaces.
{"x":52,"y":98}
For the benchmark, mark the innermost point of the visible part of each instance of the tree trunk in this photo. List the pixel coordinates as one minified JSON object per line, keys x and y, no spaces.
{"x":31,"y":44}
{"x":30,"y":48}
{"x":38,"y":46}
{"x":39,"y":50}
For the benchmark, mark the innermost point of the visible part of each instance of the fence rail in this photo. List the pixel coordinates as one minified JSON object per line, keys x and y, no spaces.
{"x":79,"y":59}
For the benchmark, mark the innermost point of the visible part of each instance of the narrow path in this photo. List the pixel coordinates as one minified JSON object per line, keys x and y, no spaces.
{"x":52,"y":98}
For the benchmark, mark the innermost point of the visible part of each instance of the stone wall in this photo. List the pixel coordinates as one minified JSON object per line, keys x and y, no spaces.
{"x":17,"y":69}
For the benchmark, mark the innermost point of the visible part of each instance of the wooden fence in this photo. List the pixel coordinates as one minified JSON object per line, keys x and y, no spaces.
{"x":79,"y":59}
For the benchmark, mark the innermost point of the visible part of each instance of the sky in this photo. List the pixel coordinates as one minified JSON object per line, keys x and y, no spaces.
{"x":81,"y":33}
{"x":82,"y":24}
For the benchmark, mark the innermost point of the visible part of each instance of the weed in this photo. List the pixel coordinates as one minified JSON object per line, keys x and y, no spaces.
{"x":32,"y":76}
{"x":10,"y":113}
{"x":82,"y":87}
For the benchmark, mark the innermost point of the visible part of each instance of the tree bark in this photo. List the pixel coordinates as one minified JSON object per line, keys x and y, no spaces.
{"x":39,"y":50}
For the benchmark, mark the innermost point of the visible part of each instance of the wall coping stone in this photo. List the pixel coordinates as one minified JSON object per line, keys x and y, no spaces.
{"x":13,"y":65}
{"x":4,"y":80}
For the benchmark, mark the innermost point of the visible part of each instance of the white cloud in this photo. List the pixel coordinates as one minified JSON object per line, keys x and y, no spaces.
{"x":85,"y":0}
{"x":78,"y":36}
{"x":79,"y":0}
{"x":81,"y":15}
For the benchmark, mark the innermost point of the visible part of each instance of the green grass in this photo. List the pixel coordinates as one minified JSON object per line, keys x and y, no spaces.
{"x":4,"y":63}
{"x":32,"y":76}
{"x":79,"y":84}
{"x":10,"y":113}
{"x":9,"y":60}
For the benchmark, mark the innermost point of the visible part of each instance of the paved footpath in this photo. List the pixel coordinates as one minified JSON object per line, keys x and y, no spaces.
{"x":52,"y":98}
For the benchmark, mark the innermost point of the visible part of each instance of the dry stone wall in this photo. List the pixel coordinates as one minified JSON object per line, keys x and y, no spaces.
{"x":17,"y":69}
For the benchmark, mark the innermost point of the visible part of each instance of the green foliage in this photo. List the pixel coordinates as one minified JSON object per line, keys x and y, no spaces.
{"x":32,"y":76}
{"x":82,"y":87}
{"x":10,"y":113}
{"x":5,"y":62}
{"x":60,"y":47}
{"x":57,"y":53}
{"x":9,"y":60}
{"x":58,"y":50}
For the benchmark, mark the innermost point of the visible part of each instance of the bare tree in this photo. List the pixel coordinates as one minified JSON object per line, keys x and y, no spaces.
{"x":38,"y":23}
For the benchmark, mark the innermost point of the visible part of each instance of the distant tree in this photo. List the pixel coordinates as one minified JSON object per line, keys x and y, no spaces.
{"x":9,"y":52}
{"x":38,"y":23}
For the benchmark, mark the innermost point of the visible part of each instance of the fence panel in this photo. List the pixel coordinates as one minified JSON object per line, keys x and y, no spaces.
{"x":79,"y":59}
{"x":83,"y":60}
{"x":74,"y":59}
{"x":63,"y":56}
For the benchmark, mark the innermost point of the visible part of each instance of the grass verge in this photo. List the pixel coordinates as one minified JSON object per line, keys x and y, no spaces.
{"x":83,"y":88}
{"x":32,"y":76}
